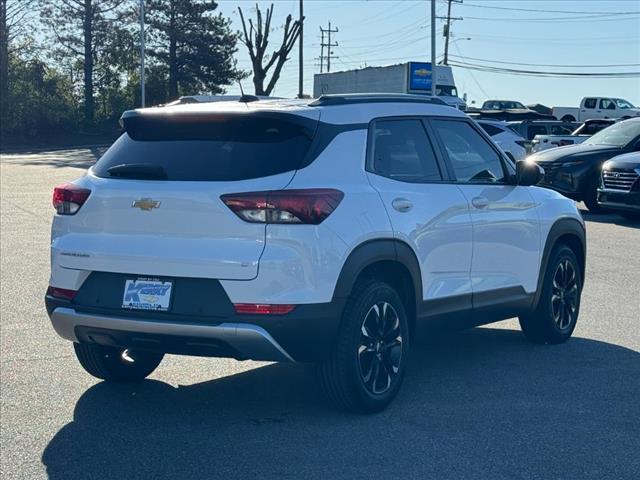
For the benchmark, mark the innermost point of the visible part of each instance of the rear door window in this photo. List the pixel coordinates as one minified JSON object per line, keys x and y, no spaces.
{"x":492,"y":130}
{"x":590,"y":102}
{"x":402,"y":151}
{"x":228,"y":149}
{"x":536,"y":130}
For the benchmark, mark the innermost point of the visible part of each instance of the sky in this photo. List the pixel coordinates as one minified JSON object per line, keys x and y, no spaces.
{"x":534,"y":32}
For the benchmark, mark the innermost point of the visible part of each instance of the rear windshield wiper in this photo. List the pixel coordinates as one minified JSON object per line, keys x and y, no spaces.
{"x":138,"y":171}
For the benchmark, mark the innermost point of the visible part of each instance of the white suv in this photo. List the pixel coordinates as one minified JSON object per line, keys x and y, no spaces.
{"x":315,"y":231}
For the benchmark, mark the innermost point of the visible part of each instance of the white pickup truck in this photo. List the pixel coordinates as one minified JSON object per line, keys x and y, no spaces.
{"x":579,"y":135}
{"x":596,"y":107}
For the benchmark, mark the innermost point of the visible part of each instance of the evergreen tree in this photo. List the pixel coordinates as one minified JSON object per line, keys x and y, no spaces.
{"x":195,"y":45}
{"x":80,"y":29}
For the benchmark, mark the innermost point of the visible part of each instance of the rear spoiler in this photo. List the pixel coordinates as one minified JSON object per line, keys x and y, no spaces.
{"x":168,"y":124}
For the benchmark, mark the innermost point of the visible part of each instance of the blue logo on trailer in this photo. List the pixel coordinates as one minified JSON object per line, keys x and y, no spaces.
{"x":420,"y":75}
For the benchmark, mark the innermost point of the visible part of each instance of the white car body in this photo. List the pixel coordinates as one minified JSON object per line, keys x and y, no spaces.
{"x":508,"y":140}
{"x":466,"y":248}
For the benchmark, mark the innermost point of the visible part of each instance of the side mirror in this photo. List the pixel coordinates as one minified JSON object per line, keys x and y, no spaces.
{"x":528,"y":173}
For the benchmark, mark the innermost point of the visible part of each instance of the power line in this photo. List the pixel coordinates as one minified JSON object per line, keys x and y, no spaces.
{"x":591,"y":18}
{"x":538,"y":73}
{"x":548,"y":11}
{"x":547,"y":64}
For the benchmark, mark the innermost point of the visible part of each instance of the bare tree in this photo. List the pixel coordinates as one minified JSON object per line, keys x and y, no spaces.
{"x":256,"y":39}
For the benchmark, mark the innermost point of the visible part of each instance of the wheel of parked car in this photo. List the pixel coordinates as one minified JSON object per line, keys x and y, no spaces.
{"x":116,"y":364}
{"x":591,"y":196}
{"x":568,"y":118}
{"x":555,"y":317}
{"x":366,"y":367}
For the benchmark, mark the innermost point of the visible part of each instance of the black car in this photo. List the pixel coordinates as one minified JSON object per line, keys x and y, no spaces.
{"x":620,"y":185}
{"x":574,"y":170}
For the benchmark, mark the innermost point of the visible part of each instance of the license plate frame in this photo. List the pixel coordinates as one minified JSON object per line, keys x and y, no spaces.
{"x":147,"y":294}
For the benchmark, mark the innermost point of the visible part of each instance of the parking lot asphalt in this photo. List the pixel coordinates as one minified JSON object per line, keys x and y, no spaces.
{"x":478,"y":404}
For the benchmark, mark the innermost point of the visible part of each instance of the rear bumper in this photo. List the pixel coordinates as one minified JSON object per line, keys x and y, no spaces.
{"x":243,"y":340}
{"x":306,"y":334}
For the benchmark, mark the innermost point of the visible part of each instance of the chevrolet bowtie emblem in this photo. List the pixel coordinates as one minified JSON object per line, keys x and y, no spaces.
{"x":146,"y":204}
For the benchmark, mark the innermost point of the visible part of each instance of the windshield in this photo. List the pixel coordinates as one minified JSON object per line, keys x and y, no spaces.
{"x":617,"y":135}
{"x":623,"y":103}
{"x":446,"y":91}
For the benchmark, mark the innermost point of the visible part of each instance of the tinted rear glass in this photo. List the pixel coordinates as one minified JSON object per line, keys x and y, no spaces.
{"x":226,"y":149}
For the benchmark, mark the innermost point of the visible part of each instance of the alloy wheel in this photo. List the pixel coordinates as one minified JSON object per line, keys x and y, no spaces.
{"x":564,"y":295}
{"x":380,"y":348}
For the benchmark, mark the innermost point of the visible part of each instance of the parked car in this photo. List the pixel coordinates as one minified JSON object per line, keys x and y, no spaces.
{"x":574,"y":170}
{"x":597,"y":107}
{"x":223,"y":230}
{"x":620,"y":185}
{"x":579,"y":135}
{"x":530,"y":128}
{"x":508,"y":140}
{"x":505,"y":110}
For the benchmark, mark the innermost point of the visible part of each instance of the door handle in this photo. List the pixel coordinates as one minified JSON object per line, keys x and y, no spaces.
{"x":480,"y":202}
{"x":402,"y":204}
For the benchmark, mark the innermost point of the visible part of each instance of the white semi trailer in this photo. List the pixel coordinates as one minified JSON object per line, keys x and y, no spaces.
{"x":410,"y":77}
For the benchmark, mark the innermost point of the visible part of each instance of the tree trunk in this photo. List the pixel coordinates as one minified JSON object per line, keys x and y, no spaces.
{"x":173,"y":61}
{"x":88,"y":61}
{"x":4,"y":61}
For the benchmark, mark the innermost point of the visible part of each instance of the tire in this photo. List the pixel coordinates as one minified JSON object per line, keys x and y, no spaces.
{"x":633,"y":216}
{"x":591,"y":197}
{"x":555,"y":317}
{"x":568,"y":118}
{"x":364,"y":371}
{"x":114,"y":364}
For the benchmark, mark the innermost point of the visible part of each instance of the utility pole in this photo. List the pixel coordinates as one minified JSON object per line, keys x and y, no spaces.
{"x":433,"y":48}
{"x":446,"y":31}
{"x":301,"y":55}
{"x":328,"y":31}
{"x":142,"y":79}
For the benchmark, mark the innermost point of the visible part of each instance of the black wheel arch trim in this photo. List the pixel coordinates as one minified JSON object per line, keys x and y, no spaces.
{"x":562,"y":227}
{"x":371,"y":252}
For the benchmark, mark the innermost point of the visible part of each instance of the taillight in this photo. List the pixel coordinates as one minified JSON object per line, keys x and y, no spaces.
{"x":61,"y":293}
{"x":262,"y":309}
{"x":309,"y":206}
{"x":68,"y":198}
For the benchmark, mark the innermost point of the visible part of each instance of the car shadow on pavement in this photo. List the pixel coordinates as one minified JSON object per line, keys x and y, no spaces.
{"x":482,"y":403}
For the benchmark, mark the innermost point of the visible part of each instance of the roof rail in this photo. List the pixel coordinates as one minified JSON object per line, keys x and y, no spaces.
{"x":351,"y":98}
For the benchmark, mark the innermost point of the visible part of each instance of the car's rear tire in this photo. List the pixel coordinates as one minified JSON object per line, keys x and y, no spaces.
{"x":114,"y":364}
{"x":556,"y":314}
{"x":364,"y":371}
{"x":568,"y":118}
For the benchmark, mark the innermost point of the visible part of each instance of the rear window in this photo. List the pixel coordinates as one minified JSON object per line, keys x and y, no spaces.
{"x":220,"y":149}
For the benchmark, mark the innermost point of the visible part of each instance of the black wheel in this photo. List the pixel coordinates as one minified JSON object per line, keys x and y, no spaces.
{"x":556,"y":315}
{"x":633,"y":216}
{"x":115,"y":364}
{"x":568,"y":118}
{"x":365,"y":369}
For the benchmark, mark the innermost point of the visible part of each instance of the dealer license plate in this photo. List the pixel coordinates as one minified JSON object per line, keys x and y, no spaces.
{"x":147,"y":294}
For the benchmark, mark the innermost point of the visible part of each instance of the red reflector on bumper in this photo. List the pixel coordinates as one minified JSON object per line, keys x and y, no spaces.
{"x":61,"y":293}
{"x":262,"y":309}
